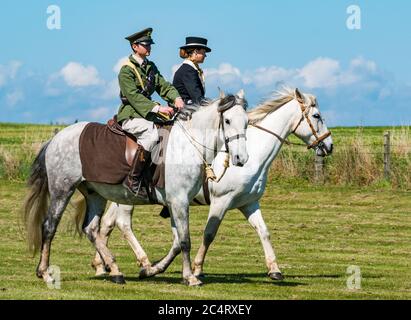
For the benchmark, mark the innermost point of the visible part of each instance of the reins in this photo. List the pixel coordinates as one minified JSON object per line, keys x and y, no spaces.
{"x":304,"y":110}
{"x":287,"y":142}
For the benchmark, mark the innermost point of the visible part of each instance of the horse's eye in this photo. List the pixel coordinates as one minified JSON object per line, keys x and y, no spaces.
{"x":227,"y":121}
{"x":317,"y":116}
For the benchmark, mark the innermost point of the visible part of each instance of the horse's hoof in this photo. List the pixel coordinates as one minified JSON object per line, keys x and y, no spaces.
{"x":193,"y":282}
{"x":146,"y":273}
{"x":118,"y":279}
{"x":200,"y":276}
{"x":276,"y":276}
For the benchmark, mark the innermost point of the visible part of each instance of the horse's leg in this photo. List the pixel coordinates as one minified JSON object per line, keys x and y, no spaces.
{"x":253,"y":214}
{"x":107,"y":224}
{"x":58,"y":203}
{"x":215,"y":216}
{"x":180,"y":213}
{"x":124,"y":223}
{"x":162,"y":265}
{"x":120,"y":215}
{"x":95,"y":208}
{"x":181,"y":242}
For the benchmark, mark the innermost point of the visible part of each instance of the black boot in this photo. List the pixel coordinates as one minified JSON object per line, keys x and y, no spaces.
{"x":134,"y":181}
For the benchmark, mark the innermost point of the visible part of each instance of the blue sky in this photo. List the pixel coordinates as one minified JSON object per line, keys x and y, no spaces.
{"x":360,"y":77}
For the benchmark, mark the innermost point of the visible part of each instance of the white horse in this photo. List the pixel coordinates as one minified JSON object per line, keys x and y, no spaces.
{"x":242,"y":188}
{"x":57,"y":173}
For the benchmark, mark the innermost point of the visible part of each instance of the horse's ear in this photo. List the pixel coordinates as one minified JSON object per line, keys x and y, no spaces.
{"x":222,"y":94}
{"x":226,"y":103}
{"x":240,"y":94}
{"x":299,"y":96}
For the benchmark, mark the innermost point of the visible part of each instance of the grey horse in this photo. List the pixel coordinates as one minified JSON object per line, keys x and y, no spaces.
{"x":57,"y":173}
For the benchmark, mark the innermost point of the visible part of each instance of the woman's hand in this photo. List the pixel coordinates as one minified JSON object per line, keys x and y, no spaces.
{"x":179,"y":103}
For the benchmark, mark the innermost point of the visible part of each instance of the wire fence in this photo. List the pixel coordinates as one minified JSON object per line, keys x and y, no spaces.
{"x":355,"y":161}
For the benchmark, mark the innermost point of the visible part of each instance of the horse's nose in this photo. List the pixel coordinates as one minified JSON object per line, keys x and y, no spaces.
{"x":238,"y":161}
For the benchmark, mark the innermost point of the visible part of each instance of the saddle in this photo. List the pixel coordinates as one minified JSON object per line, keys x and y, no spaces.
{"x":107,"y":153}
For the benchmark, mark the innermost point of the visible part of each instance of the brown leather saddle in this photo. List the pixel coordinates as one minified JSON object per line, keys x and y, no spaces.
{"x":131,"y":141}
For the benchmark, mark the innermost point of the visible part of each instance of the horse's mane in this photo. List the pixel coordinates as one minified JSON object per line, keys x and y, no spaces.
{"x":278,"y":99}
{"x":225,"y":103}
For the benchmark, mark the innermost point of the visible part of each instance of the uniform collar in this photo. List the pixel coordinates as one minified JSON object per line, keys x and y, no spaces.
{"x":137,"y":59}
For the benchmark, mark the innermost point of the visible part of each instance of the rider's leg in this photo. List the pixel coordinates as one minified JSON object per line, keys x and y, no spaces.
{"x":147,"y":137}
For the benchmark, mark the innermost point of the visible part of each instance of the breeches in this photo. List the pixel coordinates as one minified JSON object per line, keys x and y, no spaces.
{"x":145,"y":131}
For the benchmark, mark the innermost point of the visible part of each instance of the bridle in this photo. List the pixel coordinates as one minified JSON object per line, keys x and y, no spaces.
{"x":229,"y":139}
{"x":208,"y":169}
{"x":318,"y":139}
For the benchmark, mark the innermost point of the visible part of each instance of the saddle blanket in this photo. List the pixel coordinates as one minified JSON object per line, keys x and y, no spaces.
{"x":102,"y":154}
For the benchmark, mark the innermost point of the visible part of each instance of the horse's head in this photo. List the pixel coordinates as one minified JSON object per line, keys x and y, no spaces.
{"x":233,"y":125}
{"x":311,"y":127}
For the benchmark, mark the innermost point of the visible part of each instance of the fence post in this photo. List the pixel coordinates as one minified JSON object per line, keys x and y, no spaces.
{"x":387,"y":160}
{"x":318,"y":169}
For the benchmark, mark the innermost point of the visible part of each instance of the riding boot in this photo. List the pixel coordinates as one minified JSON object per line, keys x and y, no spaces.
{"x":134,"y":181}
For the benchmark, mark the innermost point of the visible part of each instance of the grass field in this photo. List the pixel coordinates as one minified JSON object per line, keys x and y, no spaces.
{"x":318,"y":233}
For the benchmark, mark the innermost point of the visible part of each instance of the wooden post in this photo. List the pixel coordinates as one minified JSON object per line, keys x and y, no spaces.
{"x":387,"y":159}
{"x":319,"y":169}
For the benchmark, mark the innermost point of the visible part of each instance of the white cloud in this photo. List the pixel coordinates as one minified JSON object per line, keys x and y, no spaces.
{"x":264,"y":76}
{"x":321,"y":73}
{"x":101,"y":114}
{"x":119,"y":64}
{"x":9,"y":71}
{"x":77,"y":75}
{"x":111,"y":90}
{"x":225,"y":75}
{"x":14,"y":97}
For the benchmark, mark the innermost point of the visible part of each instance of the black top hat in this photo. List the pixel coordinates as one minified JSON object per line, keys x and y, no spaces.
{"x":143,"y":36}
{"x":196,"y":42}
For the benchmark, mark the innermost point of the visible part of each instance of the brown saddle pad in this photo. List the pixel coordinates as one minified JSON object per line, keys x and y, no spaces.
{"x":106,"y":155}
{"x":102,"y":154}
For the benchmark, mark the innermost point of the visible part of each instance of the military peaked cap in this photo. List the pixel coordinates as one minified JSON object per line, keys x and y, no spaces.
{"x":143,"y":37}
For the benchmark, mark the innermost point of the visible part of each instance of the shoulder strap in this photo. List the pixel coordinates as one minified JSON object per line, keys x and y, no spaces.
{"x":133,"y":67}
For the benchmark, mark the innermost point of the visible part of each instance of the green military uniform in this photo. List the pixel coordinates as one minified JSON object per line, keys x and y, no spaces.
{"x":138,"y":80}
{"x":139,"y":103}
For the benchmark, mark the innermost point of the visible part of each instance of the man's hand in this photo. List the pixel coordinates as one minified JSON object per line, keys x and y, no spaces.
{"x":166,"y":109}
{"x":179,"y":103}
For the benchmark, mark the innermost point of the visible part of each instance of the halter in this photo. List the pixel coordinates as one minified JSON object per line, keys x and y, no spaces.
{"x":229,"y":139}
{"x":319,"y":139}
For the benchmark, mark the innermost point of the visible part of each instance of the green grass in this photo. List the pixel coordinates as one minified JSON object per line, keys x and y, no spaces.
{"x":357,"y":159}
{"x":318,"y":232}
